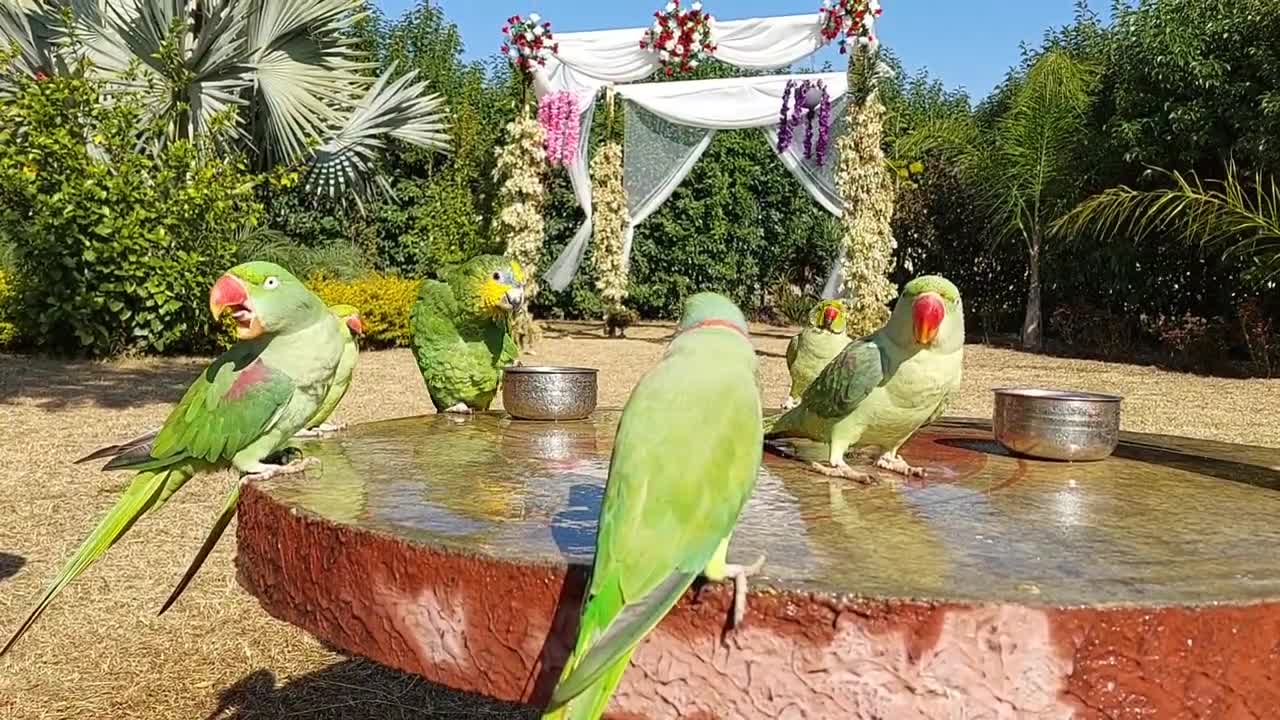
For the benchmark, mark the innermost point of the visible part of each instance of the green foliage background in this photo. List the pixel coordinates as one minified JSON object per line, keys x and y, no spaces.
{"x":1184,"y":85}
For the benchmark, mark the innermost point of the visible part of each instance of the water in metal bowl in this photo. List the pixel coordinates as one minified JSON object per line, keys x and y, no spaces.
{"x":1057,"y":424}
{"x":549,"y":392}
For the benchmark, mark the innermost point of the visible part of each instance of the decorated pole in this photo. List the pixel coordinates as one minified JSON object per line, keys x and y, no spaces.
{"x":866,"y":187}
{"x":521,"y":166}
{"x":609,"y":198}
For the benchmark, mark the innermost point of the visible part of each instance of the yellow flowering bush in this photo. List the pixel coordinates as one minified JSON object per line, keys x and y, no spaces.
{"x":609,"y":221}
{"x":8,"y":331}
{"x":384,"y":302}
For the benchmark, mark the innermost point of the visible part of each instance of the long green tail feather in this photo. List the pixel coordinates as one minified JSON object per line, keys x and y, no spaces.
{"x":210,"y":541}
{"x":591,"y":703}
{"x":148,"y":490}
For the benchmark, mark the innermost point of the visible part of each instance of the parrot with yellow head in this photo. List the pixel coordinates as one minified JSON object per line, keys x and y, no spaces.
{"x":460,"y":331}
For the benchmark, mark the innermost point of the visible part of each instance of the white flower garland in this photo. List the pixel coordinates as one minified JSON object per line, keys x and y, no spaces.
{"x":609,"y":222}
{"x":521,"y":195}
{"x":868,"y":194}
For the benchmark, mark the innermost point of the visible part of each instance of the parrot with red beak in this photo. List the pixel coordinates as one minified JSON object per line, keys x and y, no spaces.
{"x":240,"y":410}
{"x":810,"y":351}
{"x":879,"y":390}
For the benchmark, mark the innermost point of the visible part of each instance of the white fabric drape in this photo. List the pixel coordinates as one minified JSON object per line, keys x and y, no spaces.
{"x":588,"y":61}
{"x":668,"y":127}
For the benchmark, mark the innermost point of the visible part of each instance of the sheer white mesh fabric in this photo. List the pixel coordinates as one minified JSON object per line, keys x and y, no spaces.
{"x":657,"y":156}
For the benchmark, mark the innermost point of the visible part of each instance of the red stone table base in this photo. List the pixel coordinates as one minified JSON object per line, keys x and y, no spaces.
{"x":998,"y":588}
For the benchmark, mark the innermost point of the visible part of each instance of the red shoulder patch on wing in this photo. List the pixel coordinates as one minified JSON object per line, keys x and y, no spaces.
{"x":255,"y":373}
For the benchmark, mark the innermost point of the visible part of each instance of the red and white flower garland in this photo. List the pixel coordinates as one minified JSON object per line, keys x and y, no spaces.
{"x":681,"y":38}
{"x":850,"y":18}
{"x":528,"y":43}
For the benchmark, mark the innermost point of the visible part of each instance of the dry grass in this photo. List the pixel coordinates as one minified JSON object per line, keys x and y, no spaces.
{"x":102,"y":653}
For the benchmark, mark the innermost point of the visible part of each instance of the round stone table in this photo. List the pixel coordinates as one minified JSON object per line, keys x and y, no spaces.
{"x":1143,"y":586}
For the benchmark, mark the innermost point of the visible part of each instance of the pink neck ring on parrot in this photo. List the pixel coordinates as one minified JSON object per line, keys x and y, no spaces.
{"x":716,"y":322}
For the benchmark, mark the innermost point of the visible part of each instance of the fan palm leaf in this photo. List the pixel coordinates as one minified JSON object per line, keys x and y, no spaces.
{"x":398,"y":108}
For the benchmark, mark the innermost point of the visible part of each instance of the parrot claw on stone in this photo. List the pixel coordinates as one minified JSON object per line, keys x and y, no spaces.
{"x":323,"y":430}
{"x":842,"y":470}
{"x":461,"y":408}
{"x":739,"y":575}
{"x":895,"y":463}
{"x":271,"y":471}
{"x":790,"y":402}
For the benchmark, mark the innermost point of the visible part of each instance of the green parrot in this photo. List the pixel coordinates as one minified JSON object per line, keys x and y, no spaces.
{"x":241,"y":409}
{"x":879,"y":390}
{"x":460,"y":335}
{"x":351,"y":326}
{"x":810,"y":351}
{"x":685,"y":459}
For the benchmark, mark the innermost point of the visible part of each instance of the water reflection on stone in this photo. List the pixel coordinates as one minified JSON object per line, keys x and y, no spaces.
{"x":982,"y":526}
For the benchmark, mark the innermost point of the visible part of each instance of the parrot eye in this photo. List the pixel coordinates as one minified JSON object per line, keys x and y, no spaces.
{"x":271,"y":283}
{"x":497,"y":276}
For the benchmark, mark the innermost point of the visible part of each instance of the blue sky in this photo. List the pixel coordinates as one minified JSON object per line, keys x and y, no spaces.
{"x":969,"y":43}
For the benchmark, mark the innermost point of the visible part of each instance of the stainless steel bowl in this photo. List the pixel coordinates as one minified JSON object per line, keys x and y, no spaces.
{"x":1057,"y":424}
{"x":549,"y":393}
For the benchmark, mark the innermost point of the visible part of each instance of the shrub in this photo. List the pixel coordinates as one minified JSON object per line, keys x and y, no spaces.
{"x":384,"y":302}
{"x":115,"y":246}
{"x":1259,"y":336}
{"x":1193,"y":343}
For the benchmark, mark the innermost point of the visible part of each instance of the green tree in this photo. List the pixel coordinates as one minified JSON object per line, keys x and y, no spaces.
{"x":1193,"y":84}
{"x":114,"y":248}
{"x":288,"y":68}
{"x":1027,"y":161}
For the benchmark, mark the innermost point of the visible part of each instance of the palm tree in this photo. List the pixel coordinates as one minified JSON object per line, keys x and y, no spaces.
{"x":288,"y":67}
{"x":1025,"y":164}
{"x":1240,"y":219}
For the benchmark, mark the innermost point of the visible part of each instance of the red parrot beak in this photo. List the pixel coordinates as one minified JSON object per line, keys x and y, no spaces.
{"x":230,"y":293}
{"x":927,"y":313}
{"x":354,"y":323}
{"x":829,"y":315}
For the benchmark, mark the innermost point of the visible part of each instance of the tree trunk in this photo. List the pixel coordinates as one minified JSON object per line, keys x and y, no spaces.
{"x":1032,"y":334}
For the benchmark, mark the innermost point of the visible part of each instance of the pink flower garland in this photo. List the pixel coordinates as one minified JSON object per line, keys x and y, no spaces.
{"x":558,"y":113}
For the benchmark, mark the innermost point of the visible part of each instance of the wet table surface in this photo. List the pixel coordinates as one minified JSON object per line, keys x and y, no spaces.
{"x":1163,"y":522}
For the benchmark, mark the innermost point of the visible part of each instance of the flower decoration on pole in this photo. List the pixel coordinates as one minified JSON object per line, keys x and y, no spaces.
{"x":844,"y":19}
{"x":681,"y":38}
{"x":805,"y":102}
{"x":528,"y":41}
{"x":560,"y":117}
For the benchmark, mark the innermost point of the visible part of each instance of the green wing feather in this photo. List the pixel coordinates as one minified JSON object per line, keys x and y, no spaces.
{"x":846,"y":381}
{"x":230,"y":405}
{"x":793,"y":351}
{"x":341,"y":382}
{"x":684,"y":464}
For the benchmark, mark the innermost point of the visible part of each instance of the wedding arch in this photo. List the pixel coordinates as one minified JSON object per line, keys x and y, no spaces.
{"x":670,"y":124}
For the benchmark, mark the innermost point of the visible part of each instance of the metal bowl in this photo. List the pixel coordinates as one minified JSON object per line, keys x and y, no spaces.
{"x":549,"y":393}
{"x":1057,"y":424}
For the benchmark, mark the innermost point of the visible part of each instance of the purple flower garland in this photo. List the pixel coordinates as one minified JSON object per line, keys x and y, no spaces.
{"x":794,"y":112}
